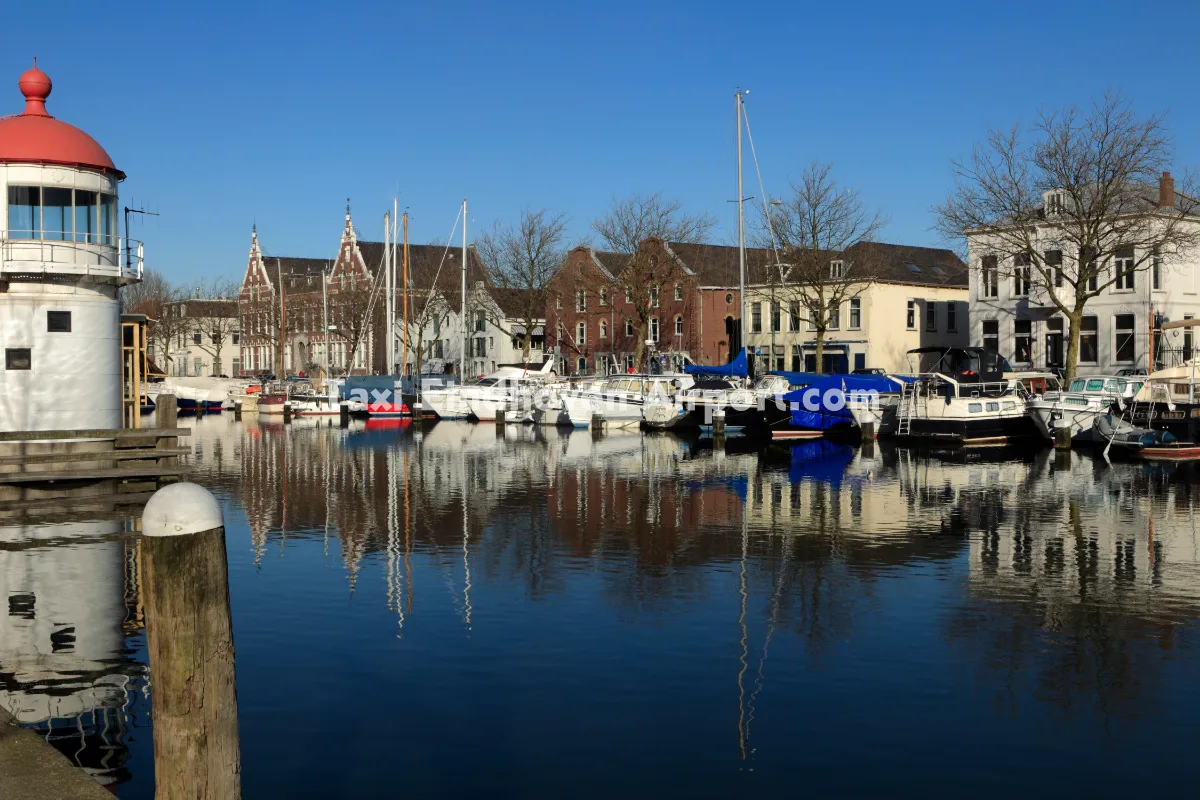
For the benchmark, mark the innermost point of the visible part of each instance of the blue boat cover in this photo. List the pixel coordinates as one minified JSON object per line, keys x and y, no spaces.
{"x":820,"y":460}
{"x":825,"y":416}
{"x":359,"y":386}
{"x":736,"y":368}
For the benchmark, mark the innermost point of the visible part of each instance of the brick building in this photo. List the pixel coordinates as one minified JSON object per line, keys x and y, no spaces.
{"x":683,"y":297}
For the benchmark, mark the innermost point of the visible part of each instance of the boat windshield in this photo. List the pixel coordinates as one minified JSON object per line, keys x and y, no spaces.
{"x":1095,"y":385}
{"x":1077,"y":385}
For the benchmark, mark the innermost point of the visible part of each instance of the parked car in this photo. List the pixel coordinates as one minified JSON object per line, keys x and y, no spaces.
{"x":868,"y":371}
{"x":1129,"y":372}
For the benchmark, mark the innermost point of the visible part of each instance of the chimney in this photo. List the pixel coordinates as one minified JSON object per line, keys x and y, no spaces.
{"x":1166,"y":191}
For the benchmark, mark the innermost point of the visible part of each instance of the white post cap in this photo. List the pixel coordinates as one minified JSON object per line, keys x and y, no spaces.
{"x":181,"y":508}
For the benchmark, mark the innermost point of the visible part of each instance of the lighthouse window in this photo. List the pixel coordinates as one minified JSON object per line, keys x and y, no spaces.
{"x":56,"y":213}
{"x":58,"y":321}
{"x":24,"y":205}
{"x":108,"y":218}
{"x":17,"y":358}
{"x":86,"y":212}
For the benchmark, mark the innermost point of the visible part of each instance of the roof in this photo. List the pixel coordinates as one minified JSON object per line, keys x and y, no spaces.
{"x":207,"y":307}
{"x":717,"y":264}
{"x":431,"y":265}
{"x":515,"y":302}
{"x":901,"y":263}
{"x":611,"y":263}
{"x":35,"y":137}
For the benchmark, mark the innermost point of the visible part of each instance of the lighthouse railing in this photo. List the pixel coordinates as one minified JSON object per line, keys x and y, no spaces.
{"x":117,"y":259}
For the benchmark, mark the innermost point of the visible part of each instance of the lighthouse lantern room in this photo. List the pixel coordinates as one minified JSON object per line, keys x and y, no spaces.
{"x":62,"y":264}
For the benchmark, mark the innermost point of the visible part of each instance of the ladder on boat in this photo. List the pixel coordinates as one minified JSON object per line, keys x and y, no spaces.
{"x":906,"y":409}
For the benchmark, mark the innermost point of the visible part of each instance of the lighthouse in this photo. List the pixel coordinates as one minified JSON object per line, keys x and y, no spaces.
{"x":61,"y":267}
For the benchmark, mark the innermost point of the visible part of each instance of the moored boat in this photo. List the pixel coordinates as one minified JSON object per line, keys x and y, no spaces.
{"x":1079,"y":406}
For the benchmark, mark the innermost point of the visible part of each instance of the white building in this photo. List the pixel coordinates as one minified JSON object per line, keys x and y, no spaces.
{"x":61,"y":264}
{"x":917,"y":298}
{"x":1012,"y":312}
{"x":207,"y":339}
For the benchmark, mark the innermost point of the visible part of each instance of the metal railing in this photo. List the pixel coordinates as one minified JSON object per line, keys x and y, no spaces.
{"x":106,"y":258}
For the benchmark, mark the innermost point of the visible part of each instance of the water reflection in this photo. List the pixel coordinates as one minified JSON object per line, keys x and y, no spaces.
{"x":706,"y":613}
{"x":65,"y":667}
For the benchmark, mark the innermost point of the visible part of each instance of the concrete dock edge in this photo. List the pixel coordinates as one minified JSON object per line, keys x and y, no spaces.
{"x":31,"y":769}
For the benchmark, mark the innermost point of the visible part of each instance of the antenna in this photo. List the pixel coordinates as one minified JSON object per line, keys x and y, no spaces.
{"x":128,"y":211}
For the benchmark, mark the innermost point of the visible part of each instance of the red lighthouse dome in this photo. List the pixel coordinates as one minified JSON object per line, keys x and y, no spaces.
{"x":35,"y":137}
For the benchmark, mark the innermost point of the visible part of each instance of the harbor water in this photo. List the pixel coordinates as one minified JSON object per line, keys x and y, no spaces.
{"x":452,"y":610}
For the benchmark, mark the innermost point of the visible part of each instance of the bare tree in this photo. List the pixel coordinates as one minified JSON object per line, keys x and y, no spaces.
{"x":356,"y":303}
{"x":149,"y":293}
{"x":817,"y":232}
{"x":524,"y":258}
{"x":155,"y":297}
{"x":1079,"y":203}
{"x":631,"y":220}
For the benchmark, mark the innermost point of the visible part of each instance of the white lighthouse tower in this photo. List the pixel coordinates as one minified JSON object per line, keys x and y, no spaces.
{"x":61,"y":265}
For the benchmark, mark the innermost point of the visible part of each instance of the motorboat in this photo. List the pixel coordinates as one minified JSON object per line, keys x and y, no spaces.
{"x":1080,"y":405}
{"x":811,"y":405}
{"x":618,"y":400}
{"x":492,"y":392}
{"x":971,"y":396}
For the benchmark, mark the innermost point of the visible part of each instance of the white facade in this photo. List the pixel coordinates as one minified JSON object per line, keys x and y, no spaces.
{"x":1025,"y":326}
{"x":60,"y":268}
{"x":491,"y":336}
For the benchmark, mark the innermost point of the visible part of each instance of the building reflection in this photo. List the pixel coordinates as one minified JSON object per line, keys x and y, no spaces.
{"x":66,"y":669}
{"x":1078,"y":575}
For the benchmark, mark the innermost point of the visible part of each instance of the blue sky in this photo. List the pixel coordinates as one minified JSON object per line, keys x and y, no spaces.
{"x":224,"y":114}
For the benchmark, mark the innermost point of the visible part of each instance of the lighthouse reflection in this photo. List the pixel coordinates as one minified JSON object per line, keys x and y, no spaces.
{"x":66,"y":668}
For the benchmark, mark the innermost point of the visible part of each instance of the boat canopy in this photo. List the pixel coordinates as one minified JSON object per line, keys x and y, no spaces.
{"x":847,"y":383}
{"x":826,"y":408}
{"x":966,"y":364}
{"x":737,"y":368}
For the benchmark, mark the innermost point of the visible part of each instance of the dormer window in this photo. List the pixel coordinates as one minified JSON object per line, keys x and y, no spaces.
{"x":836,"y":269}
{"x":913,"y":268}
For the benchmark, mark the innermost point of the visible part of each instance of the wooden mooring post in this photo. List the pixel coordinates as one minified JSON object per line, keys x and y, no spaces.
{"x":189,"y":634}
{"x":1062,"y":438}
{"x":344,"y":415}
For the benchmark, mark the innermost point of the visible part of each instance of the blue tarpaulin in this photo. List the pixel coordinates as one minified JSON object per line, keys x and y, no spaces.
{"x":737,"y":368}
{"x":364,"y":387}
{"x":811,"y":410}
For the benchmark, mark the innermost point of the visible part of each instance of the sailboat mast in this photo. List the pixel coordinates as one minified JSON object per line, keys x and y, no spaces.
{"x":463,"y":315}
{"x":741,"y":228}
{"x":404,"y":364}
{"x":388,"y":344}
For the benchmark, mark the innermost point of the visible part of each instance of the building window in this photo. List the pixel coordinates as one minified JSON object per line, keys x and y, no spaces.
{"x":1156,"y":272}
{"x":991,"y":334}
{"x":18,"y":358}
{"x":580,"y":334}
{"x":989,"y":275}
{"x":756,"y":317}
{"x":628,"y":297}
{"x":480,"y":347}
{"x":1054,"y":342}
{"x":1053,"y":260}
{"x":911,"y":319}
{"x":930,"y":315}
{"x":557,"y":303}
{"x":775,"y":317}
{"x":678,"y":325}
{"x":1089,"y":340}
{"x":855,"y":313}
{"x":729,"y":298}
{"x":797,"y":358}
{"x":654,"y":329}
{"x":835,"y":316}
{"x":654,"y":296}
{"x":627,"y":362}
{"x":629,"y":327}
{"x":679,"y":291}
{"x":836,"y":269}
{"x":581,"y":300}
{"x":560,"y":332}
{"x":480,"y":322}
{"x":580,"y":365}
{"x":1021,"y":275}
{"x":1123,"y":264}
{"x":603,"y":329}
{"x":951,"y":316}
{"x":1187,"y":340}
{"x":58,"y":321}
{"x":1023,"y":341}
{"x":794,"y":313}
{"x":1126,"y":341}
{"x":603,"y":296}
{"x":236,"y":338}
{"x":196,"y":338}
{"x":24,"y":212}
{"x":1090,"y":268}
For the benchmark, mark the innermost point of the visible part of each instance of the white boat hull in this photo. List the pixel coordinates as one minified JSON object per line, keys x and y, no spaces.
{"x":446,"y":403}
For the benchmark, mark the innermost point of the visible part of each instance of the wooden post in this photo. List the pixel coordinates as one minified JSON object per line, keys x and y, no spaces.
{"x":596,"y":425}
{"x":237,"y":410}
{"x":190,"y":642}
{"x":344,"y":415}
{"x":718,"y":424}
{"x":500,"y":418}
{"x":1062,"y":438}
{"x":166,"y":415}
{"x":867,"y":430}
{"x":287,"y":413}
